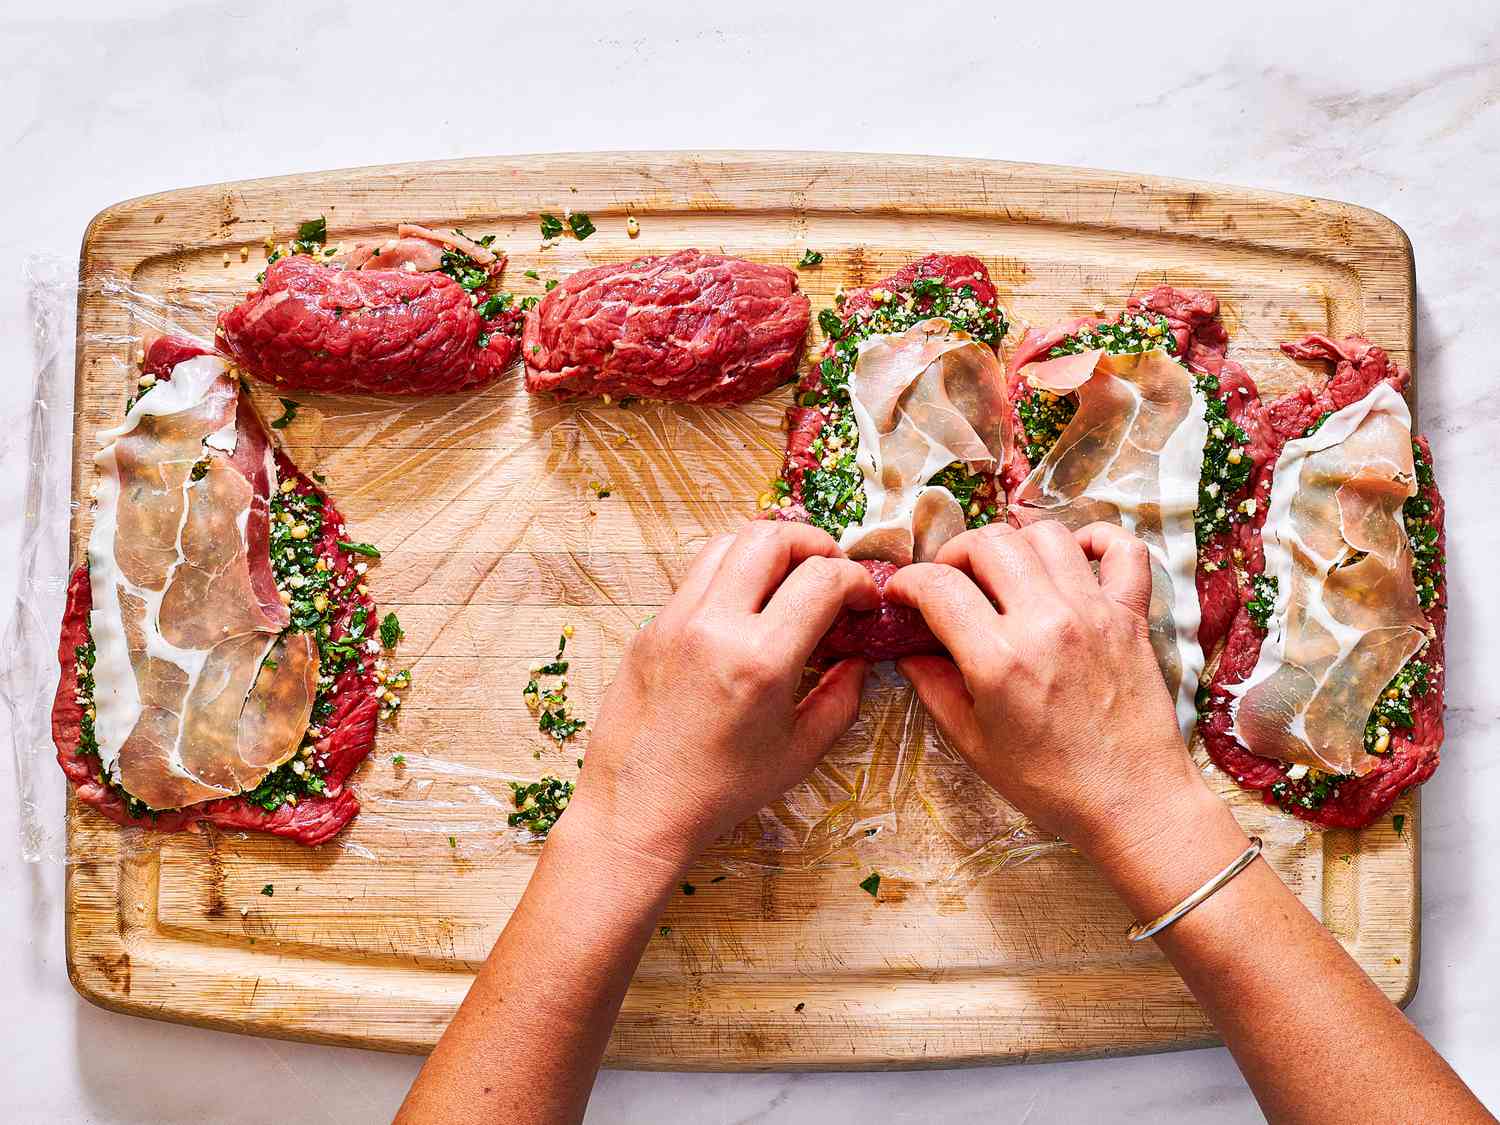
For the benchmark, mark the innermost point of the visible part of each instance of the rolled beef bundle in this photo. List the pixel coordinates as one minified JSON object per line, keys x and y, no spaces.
{"x":412,"y":315}
{"x":691,"y":327}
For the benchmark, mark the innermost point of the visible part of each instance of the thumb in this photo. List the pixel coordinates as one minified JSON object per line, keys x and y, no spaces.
{"x":940,"y":687}
{"x":830,"y":708}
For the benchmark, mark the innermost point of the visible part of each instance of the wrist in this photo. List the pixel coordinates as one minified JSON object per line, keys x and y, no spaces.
{"x":629,"y":841}
{"x":1166,"y":849}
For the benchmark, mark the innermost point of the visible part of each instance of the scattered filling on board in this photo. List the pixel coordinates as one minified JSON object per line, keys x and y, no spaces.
{"x":546,"y":694}
{"x":539,"y":804}
{"x":833,"y":493}
{"x":579,"y":223}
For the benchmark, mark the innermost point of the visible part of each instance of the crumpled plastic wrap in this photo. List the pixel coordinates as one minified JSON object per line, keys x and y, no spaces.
{"x":502,"y":518}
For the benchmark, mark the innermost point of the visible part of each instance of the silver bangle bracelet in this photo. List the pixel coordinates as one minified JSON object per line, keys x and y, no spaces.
{"x":1142,"y":930}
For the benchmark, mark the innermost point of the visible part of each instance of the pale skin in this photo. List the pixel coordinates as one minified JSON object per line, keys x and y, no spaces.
{"x":703,"y":726}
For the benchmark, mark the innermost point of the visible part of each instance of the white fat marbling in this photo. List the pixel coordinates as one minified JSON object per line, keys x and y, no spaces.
{"x":1392,"y":106}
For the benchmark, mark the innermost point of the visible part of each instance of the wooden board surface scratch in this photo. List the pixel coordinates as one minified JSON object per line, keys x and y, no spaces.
{"x":495,"y":537}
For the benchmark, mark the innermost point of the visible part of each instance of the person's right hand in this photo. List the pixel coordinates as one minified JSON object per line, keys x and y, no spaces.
{"x":1053,"y":694}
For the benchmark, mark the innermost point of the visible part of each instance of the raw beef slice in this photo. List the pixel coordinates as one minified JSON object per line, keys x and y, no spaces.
{"x":1358,"y":366}
{"x":315,"y":327}
{"x":691,"y":327}
{"x":348,"y":734}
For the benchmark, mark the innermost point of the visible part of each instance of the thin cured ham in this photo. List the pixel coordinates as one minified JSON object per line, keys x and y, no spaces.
{"x":199,"y":694}
{"x":923,"y":399}
{"x":1346,"y":616}
{"x":1131,"y":455}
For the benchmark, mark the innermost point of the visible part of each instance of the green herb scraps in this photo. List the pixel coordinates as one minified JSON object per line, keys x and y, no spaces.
{"x":550,"y":704}
{"x":539,"y":803}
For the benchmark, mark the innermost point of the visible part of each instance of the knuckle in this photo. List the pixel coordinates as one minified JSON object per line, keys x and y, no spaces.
{"x":1048,"y":529}
{"x":1058,"y":623}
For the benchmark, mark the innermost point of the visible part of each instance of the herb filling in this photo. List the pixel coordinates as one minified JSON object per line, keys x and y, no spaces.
{"x":833,"y":492}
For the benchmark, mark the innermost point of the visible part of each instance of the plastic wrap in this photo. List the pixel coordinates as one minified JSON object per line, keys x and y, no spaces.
{"x":502,"y":518}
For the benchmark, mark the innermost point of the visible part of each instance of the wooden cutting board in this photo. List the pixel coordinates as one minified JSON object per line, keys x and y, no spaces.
{"x":495,"y":537}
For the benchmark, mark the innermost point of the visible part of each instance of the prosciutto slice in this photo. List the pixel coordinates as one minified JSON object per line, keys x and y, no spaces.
{"x":1132,"y":455}
{"x":923,"y":399}
{"x":185,"y":607}
{"x":415,"y":249}
{"x":1346,"y":616}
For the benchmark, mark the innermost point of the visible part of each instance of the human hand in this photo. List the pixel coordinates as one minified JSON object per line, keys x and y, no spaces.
{"x":1053,"y":694}
{"x":701,"y":726}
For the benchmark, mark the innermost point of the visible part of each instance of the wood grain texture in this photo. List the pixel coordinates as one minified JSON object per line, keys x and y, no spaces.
{"x":494,"y":536}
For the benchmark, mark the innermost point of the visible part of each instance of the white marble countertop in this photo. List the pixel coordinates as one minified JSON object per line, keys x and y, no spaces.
{"x":1399,"y":111}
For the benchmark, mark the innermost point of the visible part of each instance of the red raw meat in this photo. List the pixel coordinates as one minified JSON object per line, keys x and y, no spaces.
{"x":887,"y":633}
{"x":315,"y":327}
{"x":692,"y":327}
{"x":1414,"y":754}
{"x":349,"y":733}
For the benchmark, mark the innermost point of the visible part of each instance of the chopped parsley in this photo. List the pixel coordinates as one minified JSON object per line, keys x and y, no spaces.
{"x":1421,"y":528}
{"x":689,"y":889}
{"x":1398,"y":822}
{"x":581,"y":225}
{"x":1226,"y":466}
{"x":965,"y":487}
{"x":390,"y":630}
{"x":268,"y":890}
{"x":311,"y":239}
{"x":288,"y":413}
{"x":551,"y":226}
{"x":1393,"y":710}
{"x":1263,"y":590}
{"x":809,"y":259}
{"x":1307,"y":793}
{"x":833,"y":490}
{"x":1043,"y":416}
{"x":871,"y":884}
{"x":314,"y":230}
{"x":539,"y":804}
{"x":366,"y":549}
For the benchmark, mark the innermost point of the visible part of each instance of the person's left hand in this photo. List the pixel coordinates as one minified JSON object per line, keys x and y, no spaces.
{"x":702,"y":726}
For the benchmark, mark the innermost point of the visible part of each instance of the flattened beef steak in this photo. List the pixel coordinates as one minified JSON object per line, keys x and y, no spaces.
{"x":1413,"y":750}
{"x":347,"y":708}
{"x":691,"y":327}
{"x":1237,"y":464}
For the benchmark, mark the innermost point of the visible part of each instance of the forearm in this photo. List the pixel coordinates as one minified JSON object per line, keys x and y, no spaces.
{"x":527,"y":1041}
{"x":1314,"y":1037}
